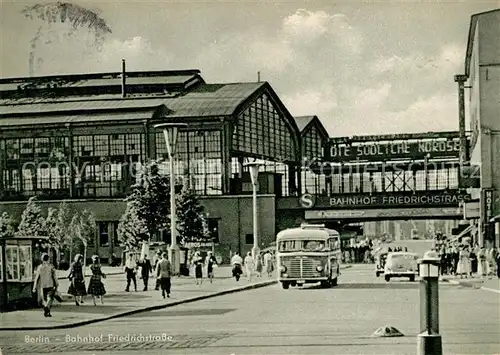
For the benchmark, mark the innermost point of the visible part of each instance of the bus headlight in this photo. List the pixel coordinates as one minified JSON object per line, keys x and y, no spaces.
{"x":319,"y":268}
{"x":283,"y":268}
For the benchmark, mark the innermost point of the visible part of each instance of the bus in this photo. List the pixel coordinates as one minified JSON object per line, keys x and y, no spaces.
{"x":308,"y":254}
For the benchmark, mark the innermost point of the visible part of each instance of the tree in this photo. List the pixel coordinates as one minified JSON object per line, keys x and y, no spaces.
{"x":81,"y":231}
{"x":32,"y":222}
{"x":87,"y":226}
{"x":54,"y":233}
{"x":63,"y":224}
{"x":75,"y":16}
{"x":6,"y":226}
{"x":149,"y":201}
{"x":192,"y":225}
{"x":131,"y":229}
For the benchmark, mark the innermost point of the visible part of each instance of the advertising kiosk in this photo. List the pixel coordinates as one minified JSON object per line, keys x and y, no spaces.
{"x":18,"y":257}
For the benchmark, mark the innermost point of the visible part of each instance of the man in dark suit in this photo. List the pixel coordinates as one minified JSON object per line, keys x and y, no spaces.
{"x":146,"y":269}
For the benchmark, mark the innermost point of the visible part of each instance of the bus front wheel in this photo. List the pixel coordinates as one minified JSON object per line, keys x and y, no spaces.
{"x":285,"y":285}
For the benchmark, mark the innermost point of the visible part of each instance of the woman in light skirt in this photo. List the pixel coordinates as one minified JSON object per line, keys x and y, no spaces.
{"x":249,"y":265}
{"x":464,"y":267}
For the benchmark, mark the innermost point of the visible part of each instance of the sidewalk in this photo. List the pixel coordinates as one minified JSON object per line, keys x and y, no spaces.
{"x":485,"y":283}
{"x":118,"y":303}
{"x":108,"y":270}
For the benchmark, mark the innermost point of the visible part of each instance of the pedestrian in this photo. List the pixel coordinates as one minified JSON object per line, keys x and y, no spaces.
{"x":163,"y":274}
{"x":46,"y":283}
{"x":258,"y":265}
{"x":146,"y":269}
{"x":77,"y":280}
{"x":497,"y":262}
{"x":490,"y":261}
{"x":482,"y":267}
{"x":268,"y":263}
{"x":156,"y":261}
{"x":96,"y":287}
{"x":198,"y":268}
{"x":463,"y":267}
{"x":130,"y":269}
{"x":473,"y":260}
{"x":249,"y":265}
{"x":237,"y":263}
{"x":211,"y":263}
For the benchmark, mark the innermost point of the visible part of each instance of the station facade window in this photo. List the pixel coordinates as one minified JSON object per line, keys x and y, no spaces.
{"x":198,"y":159}
{"x":107,"y":163}
{"x":35,"y":167}
{"x":41,"y":167}
{"x":312,"y":143}
{"x":262,"y":131}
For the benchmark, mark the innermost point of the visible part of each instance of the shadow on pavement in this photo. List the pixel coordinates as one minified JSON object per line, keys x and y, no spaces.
{"x":186,"y":313}
{"x":389,"y":285}
{"x":87,"y":309}
{"x":113,"y":297}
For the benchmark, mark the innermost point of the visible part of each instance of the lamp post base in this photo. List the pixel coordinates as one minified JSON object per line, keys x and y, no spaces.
{"x":255,"y":252}
{"x":174,"y":257}
{"x":429,"y":344}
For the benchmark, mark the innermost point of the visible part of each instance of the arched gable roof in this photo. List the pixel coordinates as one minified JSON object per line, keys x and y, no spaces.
{"x":266,"y":89}
{"x":306,"y":122}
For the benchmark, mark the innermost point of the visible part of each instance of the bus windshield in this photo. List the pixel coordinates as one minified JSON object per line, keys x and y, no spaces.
{"x":302,"y":245}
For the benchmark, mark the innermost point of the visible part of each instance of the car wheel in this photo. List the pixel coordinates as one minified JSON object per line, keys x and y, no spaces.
{"x":387,"y":278}
{"x":285,"y":285}
{"x":412,"y":278}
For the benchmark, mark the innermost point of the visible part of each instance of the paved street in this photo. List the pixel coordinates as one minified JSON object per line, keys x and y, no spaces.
{"x":297,"y":321}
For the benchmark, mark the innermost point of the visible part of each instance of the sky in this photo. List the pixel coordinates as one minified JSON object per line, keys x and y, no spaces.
{"x":361,"y":67}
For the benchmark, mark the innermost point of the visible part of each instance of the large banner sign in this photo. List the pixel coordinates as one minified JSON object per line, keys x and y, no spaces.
{"x":378,"y":151}
{"x":388,"y":199}
{"x":395,"y":200}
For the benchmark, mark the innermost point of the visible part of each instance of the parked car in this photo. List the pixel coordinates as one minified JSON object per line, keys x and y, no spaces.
{"x":401,"y":264}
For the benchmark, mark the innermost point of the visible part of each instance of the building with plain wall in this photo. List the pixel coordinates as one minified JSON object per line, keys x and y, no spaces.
{"x":482,"y":70}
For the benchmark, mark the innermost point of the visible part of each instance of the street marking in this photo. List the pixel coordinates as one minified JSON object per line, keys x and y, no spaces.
{"x":490,"y":289}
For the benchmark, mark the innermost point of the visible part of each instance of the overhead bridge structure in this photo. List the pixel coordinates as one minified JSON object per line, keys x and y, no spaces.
{"x":388,"y":177}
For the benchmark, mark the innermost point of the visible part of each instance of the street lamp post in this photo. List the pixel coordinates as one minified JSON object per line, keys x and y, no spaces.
{"x":171,"y":131}
{"x":254,"y":175}
{"x":429,"y":340}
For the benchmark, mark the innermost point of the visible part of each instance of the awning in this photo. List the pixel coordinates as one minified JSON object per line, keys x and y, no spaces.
{"x":463,"y":233}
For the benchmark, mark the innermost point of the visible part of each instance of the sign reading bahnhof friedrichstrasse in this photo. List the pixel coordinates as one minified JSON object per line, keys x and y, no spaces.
{"x":387,"y":199}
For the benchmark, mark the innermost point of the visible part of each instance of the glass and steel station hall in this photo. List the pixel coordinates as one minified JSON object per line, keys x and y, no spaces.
{"x":80,"y":137}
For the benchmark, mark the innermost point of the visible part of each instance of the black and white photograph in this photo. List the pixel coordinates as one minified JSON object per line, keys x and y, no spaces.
{"x":259,"y":177}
